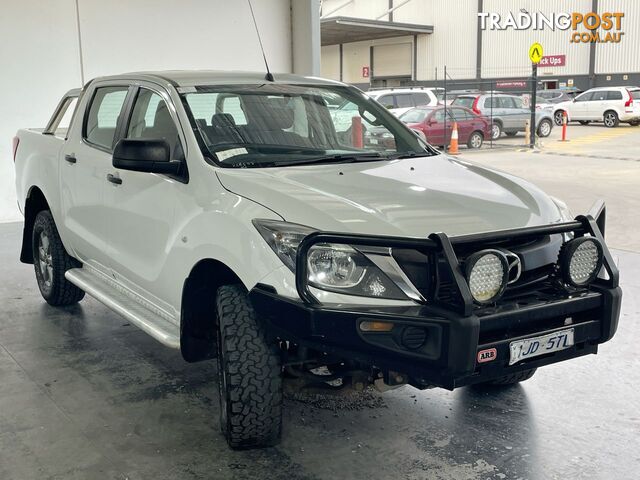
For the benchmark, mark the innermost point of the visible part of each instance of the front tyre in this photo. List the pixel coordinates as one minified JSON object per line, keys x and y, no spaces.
{"x":558,"y":117}
{"x":544,"y":128}
{"x":249,"y":374}
{"x":51,"y":261}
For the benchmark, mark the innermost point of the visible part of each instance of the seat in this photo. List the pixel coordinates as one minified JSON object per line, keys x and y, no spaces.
{"x":165,"y":128}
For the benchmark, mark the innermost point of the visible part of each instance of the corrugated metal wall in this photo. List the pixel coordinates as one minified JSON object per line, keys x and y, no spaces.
{"x":453,"y":42}
{"x":623,"y":57}
{"x":370,"y":9}
{"x":505,"y":53}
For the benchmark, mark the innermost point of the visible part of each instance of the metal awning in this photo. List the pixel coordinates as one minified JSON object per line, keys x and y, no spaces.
{"x":336,"y":30}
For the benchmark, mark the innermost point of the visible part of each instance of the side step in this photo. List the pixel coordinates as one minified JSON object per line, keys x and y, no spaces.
{"x":102,"y":289}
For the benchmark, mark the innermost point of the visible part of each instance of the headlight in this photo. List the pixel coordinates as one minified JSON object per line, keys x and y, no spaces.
{"x":581,"y":260}
{"x":343,"y":269}
{"x":332,"y":267}
{"x":283,"y":238}
{"x":487,"y":275}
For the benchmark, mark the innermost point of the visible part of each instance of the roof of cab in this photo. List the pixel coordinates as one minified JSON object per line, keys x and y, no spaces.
{"x":192,"y":78}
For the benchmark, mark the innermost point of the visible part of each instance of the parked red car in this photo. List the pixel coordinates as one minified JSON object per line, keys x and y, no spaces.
{"x":472,"y":128}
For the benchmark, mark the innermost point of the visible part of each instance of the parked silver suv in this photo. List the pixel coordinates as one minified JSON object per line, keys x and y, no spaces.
{"x":506,"y":113}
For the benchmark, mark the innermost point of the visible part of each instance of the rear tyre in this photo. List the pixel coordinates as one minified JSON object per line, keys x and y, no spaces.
{"x":611,"y":119}
{"x":558,"y":117}
{"x":249,"y":374}
{"x":544,"y":128}
{"x":496,"y":130}
{"x":475,"y":140}
{"x":512,"y":378}
{"x":584,"y":122}
{"x":51,"y":261}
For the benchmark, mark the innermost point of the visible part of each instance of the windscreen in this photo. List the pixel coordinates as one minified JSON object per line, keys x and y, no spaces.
{"x":414,"y":116}
{"x":277,"y":125}
{"x":466,"y":102}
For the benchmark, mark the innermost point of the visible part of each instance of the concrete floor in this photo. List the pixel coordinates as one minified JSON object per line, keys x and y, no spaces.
{"x":84,"y":395}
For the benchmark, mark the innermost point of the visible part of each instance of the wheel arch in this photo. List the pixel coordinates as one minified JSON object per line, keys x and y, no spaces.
{"x":34,"y":203}
{"x":197,"y":325}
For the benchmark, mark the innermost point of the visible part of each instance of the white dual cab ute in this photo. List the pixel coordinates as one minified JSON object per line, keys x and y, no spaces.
{"x":227,"y":215}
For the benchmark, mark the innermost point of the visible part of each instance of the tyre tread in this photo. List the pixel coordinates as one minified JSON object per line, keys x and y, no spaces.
{"x":63,"y":292}
{"x":253,"y":373}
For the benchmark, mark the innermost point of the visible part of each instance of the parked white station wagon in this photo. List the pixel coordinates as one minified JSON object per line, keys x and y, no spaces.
{"x":228,"y":215}
{"x":610,"y":105}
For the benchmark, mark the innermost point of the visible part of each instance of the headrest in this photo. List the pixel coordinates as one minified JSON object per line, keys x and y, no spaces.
{"x":280,"y":113}
{"x":222,"y":120}
{"x":162,"y":119}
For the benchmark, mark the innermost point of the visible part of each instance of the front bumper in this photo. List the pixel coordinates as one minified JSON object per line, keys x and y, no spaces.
{"x":449,"y":356}
{"x":455,"y":330}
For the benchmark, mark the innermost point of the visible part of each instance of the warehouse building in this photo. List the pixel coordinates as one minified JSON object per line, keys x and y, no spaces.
{"x":377,"y":43}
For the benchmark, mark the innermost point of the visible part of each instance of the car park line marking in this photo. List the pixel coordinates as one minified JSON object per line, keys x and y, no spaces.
{"x":575,"y":144}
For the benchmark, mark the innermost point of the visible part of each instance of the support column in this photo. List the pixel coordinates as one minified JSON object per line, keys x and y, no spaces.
{"x":592,"y":52}
{"x":479,"y":46}
{"x":305,"y":37}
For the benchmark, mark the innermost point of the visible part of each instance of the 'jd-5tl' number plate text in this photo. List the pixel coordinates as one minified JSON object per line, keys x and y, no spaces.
{"x":535,"y":346}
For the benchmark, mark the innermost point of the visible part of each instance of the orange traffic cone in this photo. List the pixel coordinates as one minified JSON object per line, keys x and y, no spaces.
{"x":453,"y":148}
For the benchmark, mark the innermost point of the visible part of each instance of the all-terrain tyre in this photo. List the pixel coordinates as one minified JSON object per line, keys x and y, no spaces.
{"x":51,"y":261}
{"x":249,"y":374}
{"x":512,"y":378}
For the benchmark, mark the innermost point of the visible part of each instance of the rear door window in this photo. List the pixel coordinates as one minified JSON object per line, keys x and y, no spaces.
{"x":506,"y":102}
{"x":585,"y":97}
{"x":387,"y":101}
{"x":599,"y":96}
{"x":103,"y":114}
{"x":458,"y":114}
{"x":421,"y":98}
{"x":404,"y":101}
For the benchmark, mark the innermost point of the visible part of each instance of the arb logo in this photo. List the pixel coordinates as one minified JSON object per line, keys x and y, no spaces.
{"x":487,"y":355}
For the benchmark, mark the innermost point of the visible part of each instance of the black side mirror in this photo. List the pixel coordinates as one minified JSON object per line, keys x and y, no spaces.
{"x":145,"y":155}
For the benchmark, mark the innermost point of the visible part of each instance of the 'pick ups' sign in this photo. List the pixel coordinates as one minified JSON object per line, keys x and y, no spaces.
{"x":553,"y":61}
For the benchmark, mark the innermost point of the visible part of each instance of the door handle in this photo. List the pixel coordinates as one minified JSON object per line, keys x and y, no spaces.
{"x":70,"y":158}
{"x":113,"y":179}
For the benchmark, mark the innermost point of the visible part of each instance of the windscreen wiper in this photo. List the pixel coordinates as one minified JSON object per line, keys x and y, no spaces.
{"x":338,"y":158}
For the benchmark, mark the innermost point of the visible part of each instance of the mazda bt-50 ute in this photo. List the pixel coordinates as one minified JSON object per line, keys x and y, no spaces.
{"x":231,"y":216}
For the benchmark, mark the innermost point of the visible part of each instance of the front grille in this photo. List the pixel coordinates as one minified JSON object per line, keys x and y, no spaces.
{"x":432,"y":279}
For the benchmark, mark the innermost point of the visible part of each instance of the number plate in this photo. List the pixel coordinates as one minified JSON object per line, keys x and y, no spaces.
{"x":535,"y":346}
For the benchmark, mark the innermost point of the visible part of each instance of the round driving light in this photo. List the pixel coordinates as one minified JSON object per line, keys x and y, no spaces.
{"x":487,"y":275}
{"x":581,"y":260}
